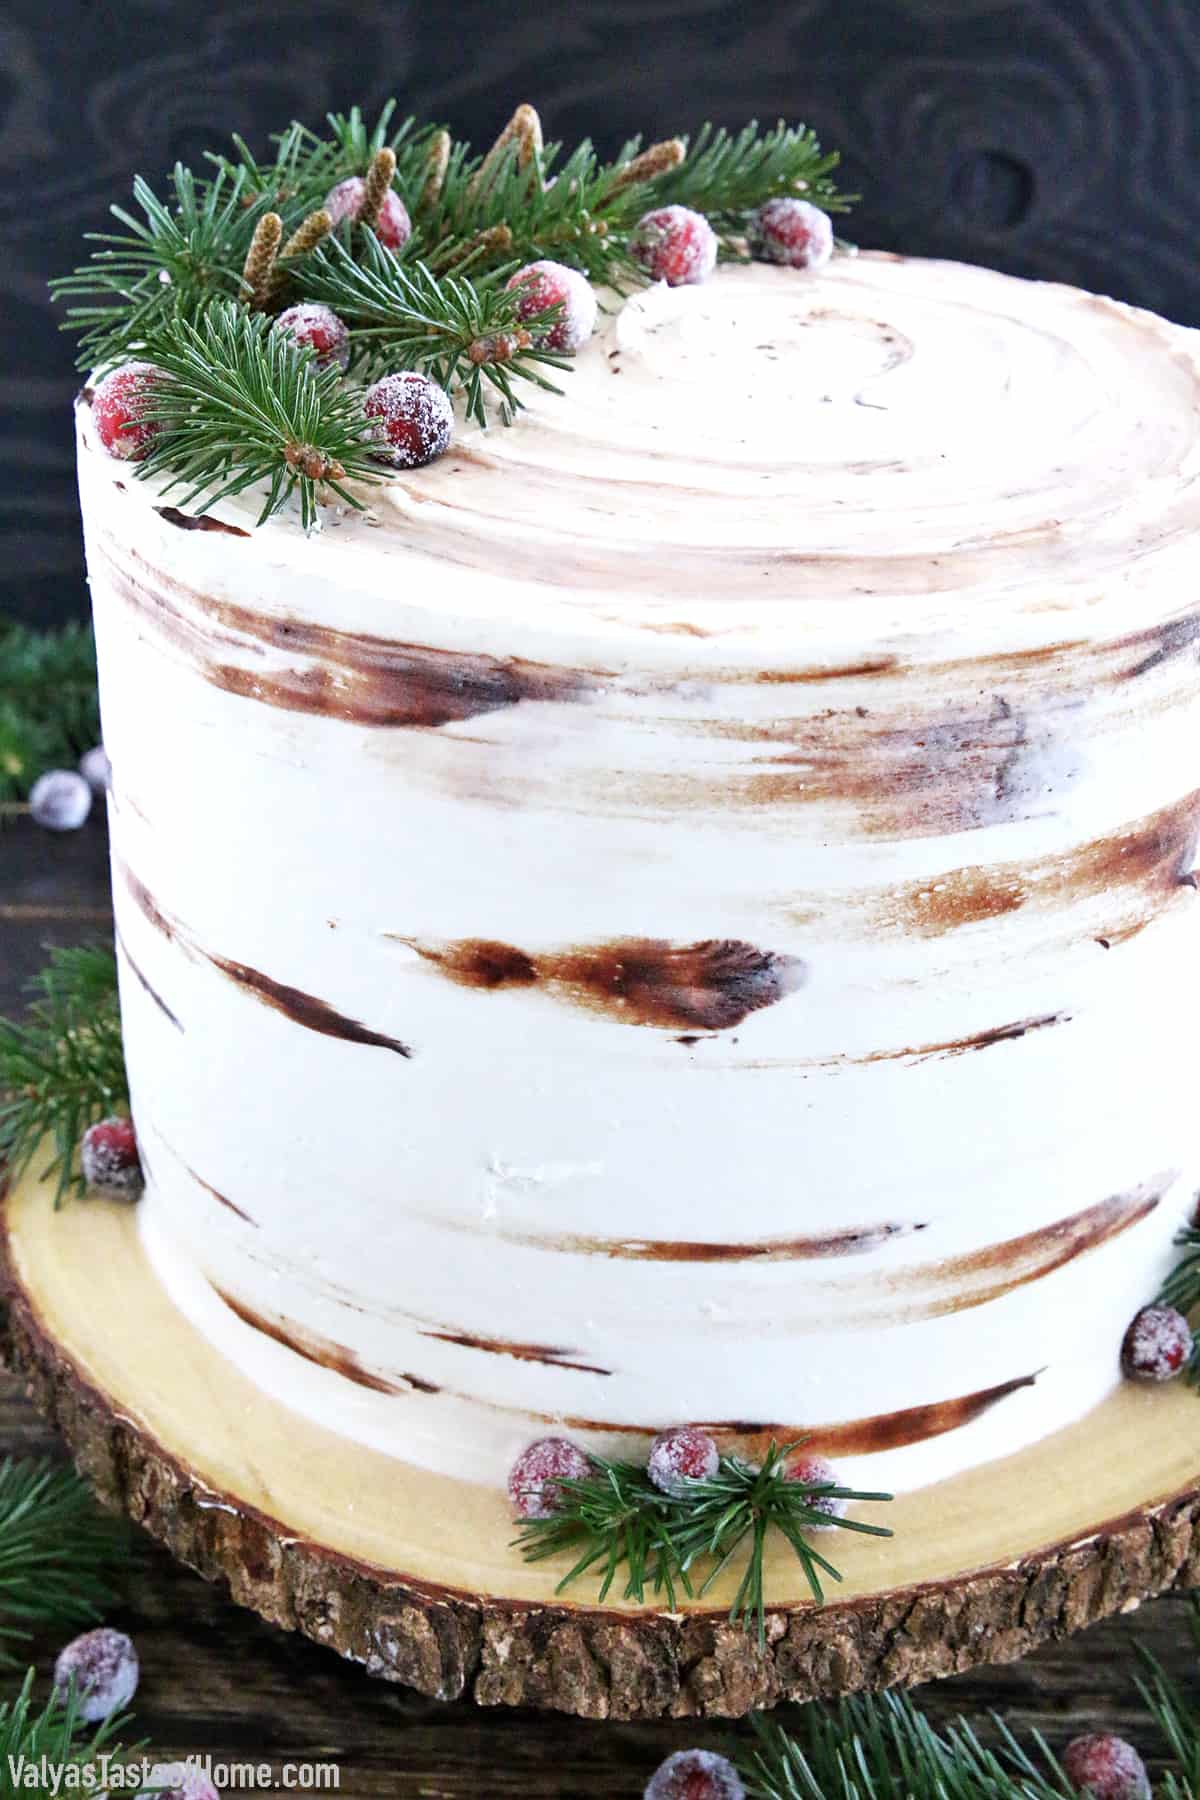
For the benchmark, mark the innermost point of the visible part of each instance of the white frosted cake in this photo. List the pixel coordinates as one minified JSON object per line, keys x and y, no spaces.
{"x":683,"y":911}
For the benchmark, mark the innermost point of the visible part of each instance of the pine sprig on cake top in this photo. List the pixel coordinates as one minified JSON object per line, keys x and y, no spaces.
{"x":58,"y":1551}
{"x":49,"y":713}
{"x":688,"y":1513}
{"x":62,"y":1067}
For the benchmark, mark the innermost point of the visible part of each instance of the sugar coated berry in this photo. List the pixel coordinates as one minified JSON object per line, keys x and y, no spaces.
{"x":108,"y":1157}
{"x":534,"y":1477}
{"x":695,"y":1775}
{"x":1105,"y":1767}
{"x":96,"y":769}
{"x":1157,"y":1345}
{"x":681,"y":1455}
{"x":181,"y":1781}
{"x":815,"y":1469}
{"x":393,"y":227}
{"x":103,"y":1666}
{"x":413,"y":419}
{"x":675,"y":245}
{"x":60,"y":800}
{"x":119,"y":406}
{"x":543,"y":284}
{"x":794,"y":232}
{"x":315,"y":326}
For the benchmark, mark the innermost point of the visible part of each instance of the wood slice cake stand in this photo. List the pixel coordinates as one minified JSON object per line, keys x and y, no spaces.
{"x":412,"y":1575}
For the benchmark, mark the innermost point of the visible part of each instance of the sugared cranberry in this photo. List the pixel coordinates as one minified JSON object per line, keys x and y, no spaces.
{"x":1105,"y":1767}
{"x":60,"y":800}
{"x":413,"y":419}
{"x":103,"y":1665}
{"x":815,"y":1470}
{"x":534,"y":1477}
{"x":315,"y":326}
{"x":119,"y":406}
{"x":108,"y":1157}
{"x":794,"y":232}
{"x":681,"y":1455}
{"x":393,"y":227}
{"x":96,"y":769}
{"x":181,"y":1781}
{"x":1157,"y":1344}
{"x":675,"y":245}
{"x":695,"y":1775}
{"x":544,"y":284}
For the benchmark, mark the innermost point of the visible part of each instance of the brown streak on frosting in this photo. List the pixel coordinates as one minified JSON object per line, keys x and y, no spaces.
{"x":222,"y":1198}
{"x":855,"y":1241}
{"x":322,"y":1351}
{"x":709,"y":986}
{"x":550,"y":1354}
{"x":864,"y":1437}
{"x":198,"y":521}
{"x":144,"y":982}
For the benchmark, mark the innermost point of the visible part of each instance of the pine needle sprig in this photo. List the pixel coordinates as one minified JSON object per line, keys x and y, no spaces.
{"x":726,"y":175}
{"x":1176,"y":1718}
{"x":62,"y":1066}
{"x":58,"y":1551}
{"x":245,"y":404}
{"x":182,"y":254}
{"x":1181,"y":1290}
{"x":49,"y":712}
{"x":52,"y":1735}
{"x":460,"y":332}
{"x":617,"y":1518}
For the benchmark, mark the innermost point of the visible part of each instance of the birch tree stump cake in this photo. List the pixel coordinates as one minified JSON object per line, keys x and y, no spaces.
{"x":680,"y":912}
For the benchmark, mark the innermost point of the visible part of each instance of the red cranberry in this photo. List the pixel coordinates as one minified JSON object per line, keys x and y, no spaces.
{"x":317,"y":327}
{"x":1105,"y":1767}
{"x":679,"y":1456}
{"x":119,"y":406}
{"x":675,"y":245}
{"x":393,"y":227}
{"x":1157,"y":1344}
{"x":818,"y":1472}
{"x":534,"y":1477}
{"x":413,"y":419}
{"x":695,"y":1775}
{"x":544,"y":284}
{"x":103,"y":1665}
{"x":108,"y":1157}
{"x":794,"y":232}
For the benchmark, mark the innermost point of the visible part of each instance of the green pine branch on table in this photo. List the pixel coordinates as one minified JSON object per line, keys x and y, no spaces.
{"x":58,"y":1551}
{"x":62,"y":1066}
{"x":49,"y":712}
{"x":54,"y":1732}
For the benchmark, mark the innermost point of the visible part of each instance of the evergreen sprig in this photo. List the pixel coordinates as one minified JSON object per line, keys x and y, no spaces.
{"x":245,"y":405}
{"x":1181,"y":1289}
{"x":726,"y":175}
{"x":49,"y":712}
{"x":459,"y":332}
{"x":62,"y":1066}
{"x":616,"y":1519}
{"x":54,"y":1733}
{"x":57,"y":1550}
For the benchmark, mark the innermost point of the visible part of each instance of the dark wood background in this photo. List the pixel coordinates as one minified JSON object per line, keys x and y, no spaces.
{"x":1053,"y":138}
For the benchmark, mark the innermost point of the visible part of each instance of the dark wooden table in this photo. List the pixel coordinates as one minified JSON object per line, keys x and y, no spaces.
{"x":217,"y":1681}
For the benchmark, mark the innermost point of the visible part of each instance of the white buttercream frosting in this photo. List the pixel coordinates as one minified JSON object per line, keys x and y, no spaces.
{"x":682,"y":911}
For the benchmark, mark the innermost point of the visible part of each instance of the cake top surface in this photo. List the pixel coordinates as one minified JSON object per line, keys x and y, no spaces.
{"x":891,"y":442}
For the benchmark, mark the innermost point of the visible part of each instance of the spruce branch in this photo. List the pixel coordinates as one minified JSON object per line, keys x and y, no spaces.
{"x":245,"y":405}
{"x":58,"y":1551}
{"x":62,"y":1066}
{"x":402,"y":316}
{"x":617,"y":1519}
{"x":1177,"y":1718}
{"x":54,"y":1735}
{"x":1181,"y":1290}
{"x":49,"y":714}
{"x":726,"y":175}
{"x":258,"y":270}
{"x":519,"y":145}
{"x":646,"y":166}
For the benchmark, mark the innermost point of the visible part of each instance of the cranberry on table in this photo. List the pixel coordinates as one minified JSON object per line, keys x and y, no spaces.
{"x":675,"y":245}
{"x":681,"y":1455}
{"x":545,"y":283}
{"x":103,"y":1666}
{"x":412,"y":419}
{"x":793,"y":232}
{"x":1157,"y":1345}
{"x":316,"y":327}
{"x":534,"y":1477}
{"x":695,"y":1775}
{"x":108,"y":1157}
{"x":1106,"y":1768}
{"x":60,"y":800}
{"x":815,"y":1470}
{"x":393,"y":227}
{"x":181,"y":1781}
{"x":120,"y":403}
